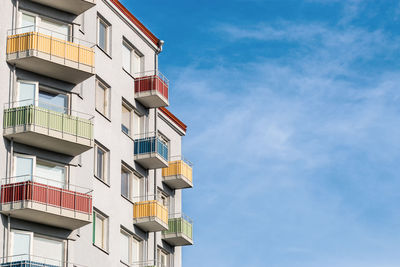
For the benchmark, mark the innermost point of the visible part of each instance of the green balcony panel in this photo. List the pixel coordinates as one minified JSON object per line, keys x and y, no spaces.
{"x":179,"y":233}
{"x":47,"y":129}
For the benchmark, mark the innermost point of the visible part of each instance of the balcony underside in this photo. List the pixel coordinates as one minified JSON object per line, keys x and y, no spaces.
{"x":178,"y":181}
{"x":49,"y":139}
{"x":151,"y":160}
{"x":51,"y":66}
{"x":177,"y":239}
{"x":152,"y":99}
{"x":150,"y":224}
{"x":45,"y":214}
{"x":72,"y":6}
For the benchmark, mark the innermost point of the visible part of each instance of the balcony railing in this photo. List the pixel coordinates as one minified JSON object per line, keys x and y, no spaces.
{"x":150,"y":214}
{"x":74,"y":128}
{"x":180,"y":230}
{"x":72,"y":59}
{"x":48,"y":200}
{"x":151,"y":151}
{"x":151,"y":89}
{"x":151,"y":263}
{"x":28,"y":260}
{"x":178,"y":174}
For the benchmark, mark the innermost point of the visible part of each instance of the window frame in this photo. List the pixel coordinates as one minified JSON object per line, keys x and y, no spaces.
{"x":107,"y":48}
{"x":132,"y":238}
{"x":31,"y":242}
{"x":107,"y":98}
{"x":160,"y":252}
{"x":106,"y":162}
{"x":130,"y":109}
{"x":105,"y":230}
{"x":38,"y":20}
{"x":35,"y":161}
{"x":132,"y":175}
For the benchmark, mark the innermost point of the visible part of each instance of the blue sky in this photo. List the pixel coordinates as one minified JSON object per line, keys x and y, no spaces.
{"x":293,"y":110}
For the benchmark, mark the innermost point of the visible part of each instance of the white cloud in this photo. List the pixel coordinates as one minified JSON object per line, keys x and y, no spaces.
{"x":271,"y":132}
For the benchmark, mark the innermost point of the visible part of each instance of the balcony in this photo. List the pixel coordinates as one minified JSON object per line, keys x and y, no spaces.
{"x":48,"y":129}
{"x":150,"y":215}
{"x":27,"y":260}
{"x":151,"y":89}
{"x":178,"y":174}
{"x":76,"y":7}
{"x":45,"y":201}
{"x":51,"y":54}
{"x":150,"y":151}
{"x":180,"y":231}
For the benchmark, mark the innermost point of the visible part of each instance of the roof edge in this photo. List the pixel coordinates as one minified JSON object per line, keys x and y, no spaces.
{"x":174,"y":118}
{"x":137,"y":22}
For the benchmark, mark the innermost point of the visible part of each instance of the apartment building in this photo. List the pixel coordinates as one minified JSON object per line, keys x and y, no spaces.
{"x":91,"y":166}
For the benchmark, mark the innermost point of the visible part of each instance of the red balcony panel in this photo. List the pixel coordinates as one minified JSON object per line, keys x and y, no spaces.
{"x":45,"y":194}
{"x":151,"y":83}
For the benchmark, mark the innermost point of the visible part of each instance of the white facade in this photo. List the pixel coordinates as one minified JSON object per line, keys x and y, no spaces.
{"x":52,"y":85}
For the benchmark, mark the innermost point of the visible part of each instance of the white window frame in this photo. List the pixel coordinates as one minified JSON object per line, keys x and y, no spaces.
{"x":166,"y":254}
{"x":32,"y":236}
{"x":38,"y":20}
{"x":126,"y":105}
{"x":139,"y":243}
{"x":106,"y":163}
{"x":107,"y":98}
{"x":126,"y":45}
{"x":35,"y":161}
{"x":102,"y":20}
{"x":105,"y":231}
{"x":17,"y":92}
{"x":127,"y":170}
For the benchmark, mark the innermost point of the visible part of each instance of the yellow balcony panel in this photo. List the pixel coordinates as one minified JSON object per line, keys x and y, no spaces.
{"x":39,"y":202}
{"x":178,"y":174}
{"x":47,"y":129}
{"x":76,"y":7}
{"x":150,"y":216}
{"x":51,"y":56}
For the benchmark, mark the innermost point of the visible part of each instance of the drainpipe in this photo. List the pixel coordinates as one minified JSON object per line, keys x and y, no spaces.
{"x":8,"y":234}
{"x":16,"y":16}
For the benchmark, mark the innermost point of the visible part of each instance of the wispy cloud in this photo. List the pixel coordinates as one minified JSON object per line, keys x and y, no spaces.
{"x":304,"y":134}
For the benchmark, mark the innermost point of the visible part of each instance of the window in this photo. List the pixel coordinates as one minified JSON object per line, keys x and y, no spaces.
{"x":130,"y":184}
{"x":32,"y":93}
{"x":163,"y":258}
{"x":30,"y":246}
{"x":32,"y":22}
{"x":126,"y":120}
{"x":102,"y":98}
{"x":29,"y":168}
{"x":100,"y":230}
{"x":132,"y":60}
{"x":163,"y":198}
{"x":127,"y":57}
{"x":131,"y":248}
{"x":101,"y":162}
{"x":138,"y":121}
{"x":125,"y":183}
{"x":103,"y":35}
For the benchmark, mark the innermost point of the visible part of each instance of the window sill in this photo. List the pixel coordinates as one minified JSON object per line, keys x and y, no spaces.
{"x":127,"y":199}
{"x":129,"y":74}
{"x":104,"y":116}
{"x":102,"y":249}
{"x":126,"y":264}
{"x":107,"y":184}
{"x":101,"y":49}
{"x":127,"y":135}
